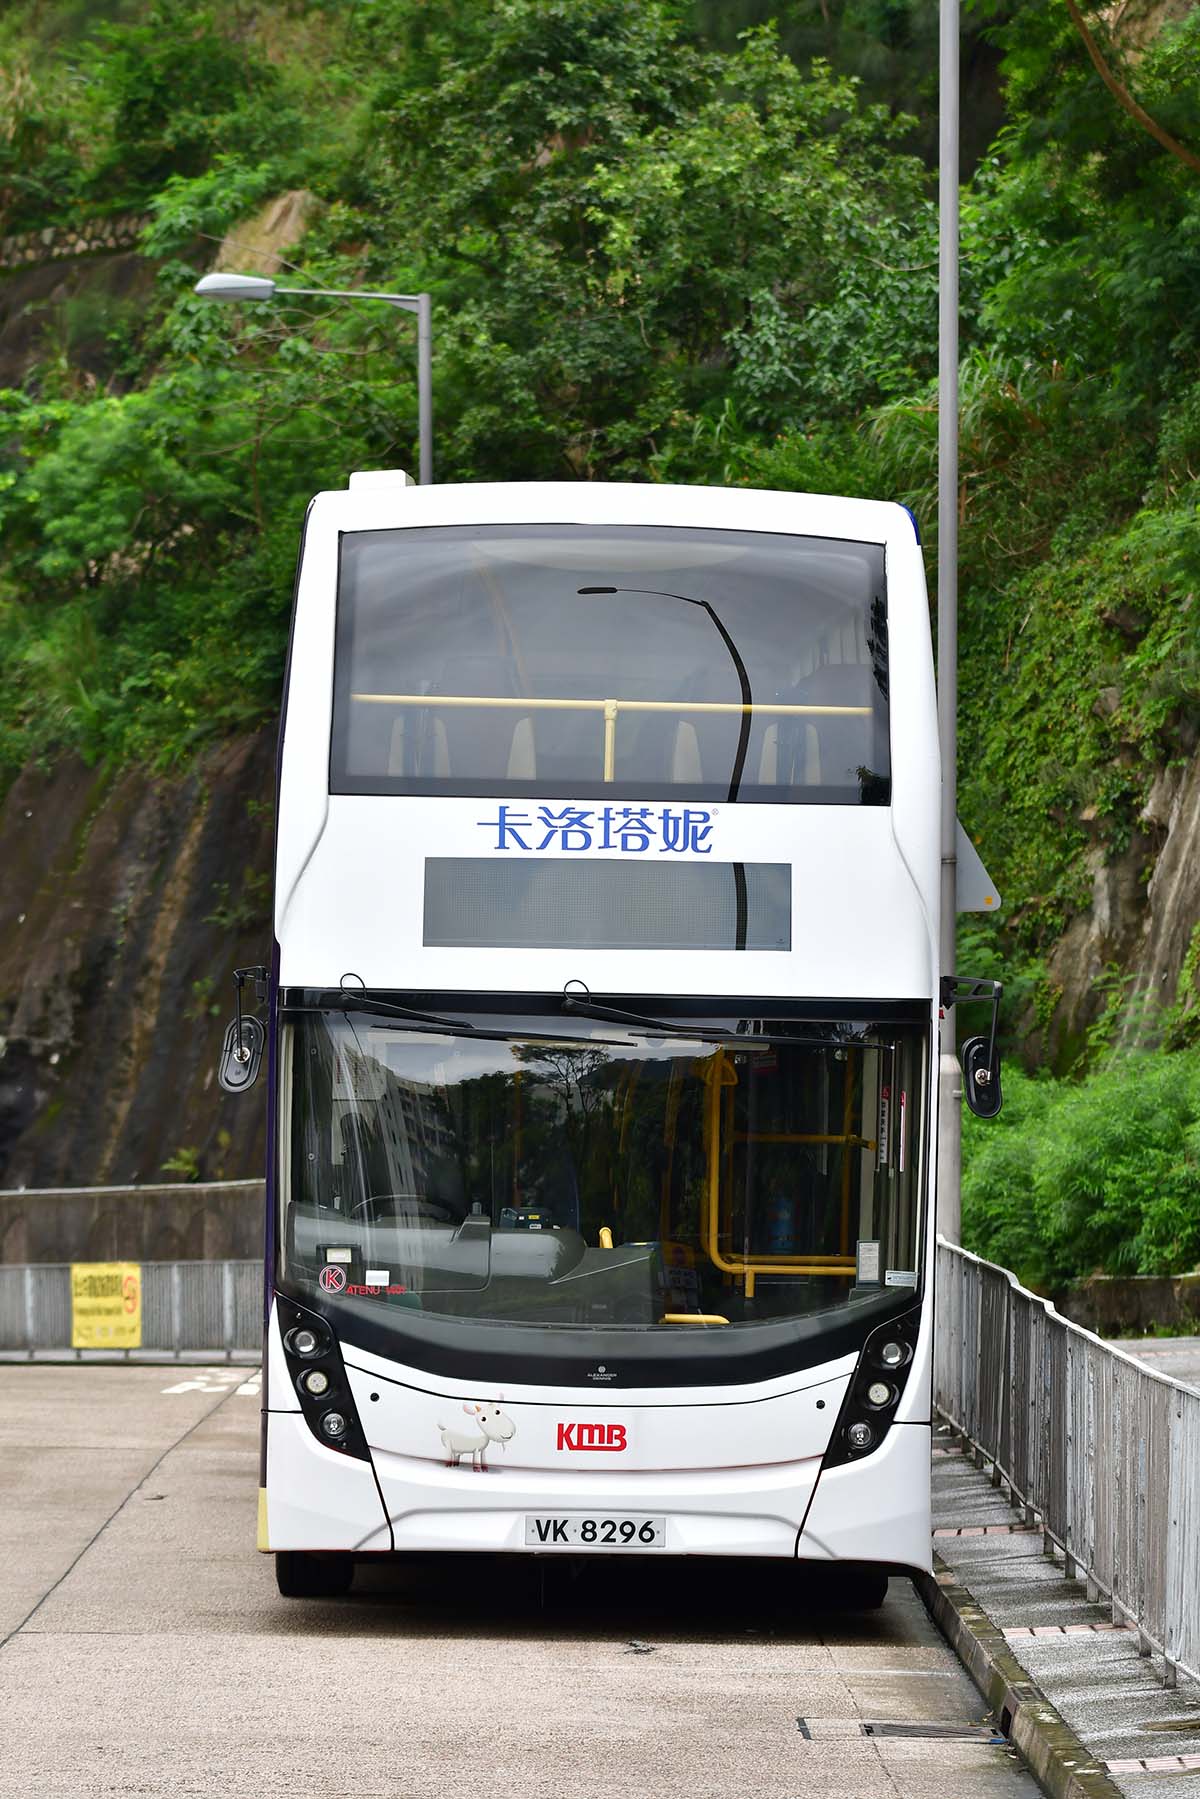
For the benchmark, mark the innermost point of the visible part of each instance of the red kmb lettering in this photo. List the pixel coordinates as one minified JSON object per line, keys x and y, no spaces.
{"x":591,"y":1436}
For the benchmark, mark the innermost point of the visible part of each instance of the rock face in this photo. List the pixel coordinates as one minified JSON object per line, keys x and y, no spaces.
{"x":256,"y":245}
{"x":126,"y":904}
{"x":1172,"y":907}
{"x":1128,"y":949}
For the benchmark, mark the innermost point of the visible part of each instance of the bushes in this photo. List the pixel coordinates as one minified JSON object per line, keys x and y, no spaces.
{"x":1097,"y":1176}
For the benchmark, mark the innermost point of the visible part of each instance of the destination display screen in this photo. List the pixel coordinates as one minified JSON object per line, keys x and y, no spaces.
{"x":606,"y":904}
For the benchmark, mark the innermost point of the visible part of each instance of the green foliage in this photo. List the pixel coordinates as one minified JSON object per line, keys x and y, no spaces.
{"x":42,"y":165}
{"x":630,"y":231}
{"x":175,"y":88}
{"x":184,"y":1161}
{"x":1099,"y":1176}
{"x":205,"y":206}
{"x":248,"y":909}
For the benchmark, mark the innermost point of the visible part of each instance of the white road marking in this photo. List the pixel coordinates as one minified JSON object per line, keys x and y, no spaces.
{"x":219,"y":1380}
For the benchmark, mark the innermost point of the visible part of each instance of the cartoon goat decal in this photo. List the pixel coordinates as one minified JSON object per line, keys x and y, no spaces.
{"x":486,"y":1424}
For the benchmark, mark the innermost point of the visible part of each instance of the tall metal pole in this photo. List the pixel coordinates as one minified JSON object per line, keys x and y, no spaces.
{"x":425,"y":388}
{"x":949,"y":1199}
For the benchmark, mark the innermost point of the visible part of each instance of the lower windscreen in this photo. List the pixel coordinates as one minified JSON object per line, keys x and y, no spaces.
{"x":471,"y":902}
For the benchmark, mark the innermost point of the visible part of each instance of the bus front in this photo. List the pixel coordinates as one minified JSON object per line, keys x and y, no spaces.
{"x":603,"y":1031}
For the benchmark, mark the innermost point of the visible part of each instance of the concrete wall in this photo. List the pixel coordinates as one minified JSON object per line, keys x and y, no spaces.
{"x":204,"y":1221}
{"x":1136,"y":1305}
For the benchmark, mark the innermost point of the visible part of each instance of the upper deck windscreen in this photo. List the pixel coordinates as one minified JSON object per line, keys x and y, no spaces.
{"x":550,"y":660}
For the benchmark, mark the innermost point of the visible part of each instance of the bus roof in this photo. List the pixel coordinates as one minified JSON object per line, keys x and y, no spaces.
{"x":376,"y":503}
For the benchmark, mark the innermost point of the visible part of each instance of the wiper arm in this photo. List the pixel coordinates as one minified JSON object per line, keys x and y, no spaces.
{"x":356,"y":996}
{"x":351,"y":999}
{"x":584,"y":1005}
{"x":586,"y":1008}
{"x":658,"y":1027}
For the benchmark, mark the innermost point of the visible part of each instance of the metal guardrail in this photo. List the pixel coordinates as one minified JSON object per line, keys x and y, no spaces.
{"x":1103,"y":1450}
{"x":213,"y":1307}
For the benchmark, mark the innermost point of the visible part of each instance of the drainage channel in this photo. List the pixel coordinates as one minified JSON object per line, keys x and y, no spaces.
{"x":927,"y":1729}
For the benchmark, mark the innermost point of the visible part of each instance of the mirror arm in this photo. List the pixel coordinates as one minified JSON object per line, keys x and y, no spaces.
{"x":259,"y":975}
{"x":974,"y":988}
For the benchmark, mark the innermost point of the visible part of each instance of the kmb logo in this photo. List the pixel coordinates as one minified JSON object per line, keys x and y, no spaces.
{"x":591,"y":1436}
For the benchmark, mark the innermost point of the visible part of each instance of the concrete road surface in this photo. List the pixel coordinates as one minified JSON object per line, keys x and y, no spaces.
{"x":145,"y":1649}
{"x":1177,"y":1356}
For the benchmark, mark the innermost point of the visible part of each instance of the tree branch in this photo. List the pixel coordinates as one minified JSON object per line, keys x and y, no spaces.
{"x":1125,"y":99}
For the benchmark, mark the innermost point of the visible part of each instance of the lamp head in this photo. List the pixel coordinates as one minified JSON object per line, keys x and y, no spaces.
{"x":236,"y":287}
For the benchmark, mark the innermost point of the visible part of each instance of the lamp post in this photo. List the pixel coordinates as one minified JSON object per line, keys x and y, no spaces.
{"x":949,"y":1196}
{"x":262,"y":287}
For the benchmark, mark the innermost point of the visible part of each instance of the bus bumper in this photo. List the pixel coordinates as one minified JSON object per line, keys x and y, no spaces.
{"x":876,"y":1510}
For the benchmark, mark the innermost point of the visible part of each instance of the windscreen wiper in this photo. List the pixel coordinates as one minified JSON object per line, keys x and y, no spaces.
{"x":585,"y":1006}
{"x":354,"y":999}
{"x":582,"y":1005}
{"x":365,"y":1002}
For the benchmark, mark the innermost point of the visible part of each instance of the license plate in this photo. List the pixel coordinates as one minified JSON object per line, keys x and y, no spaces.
{"x":594,"y":1530}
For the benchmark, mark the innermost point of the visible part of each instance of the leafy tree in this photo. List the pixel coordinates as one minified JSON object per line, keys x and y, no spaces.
{"x":172,"y":84}
{"x":629,"y":227}
{"x":1100,"y":1176}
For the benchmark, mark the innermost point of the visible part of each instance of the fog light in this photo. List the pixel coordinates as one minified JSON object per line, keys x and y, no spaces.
{"x":316,"y":1382}
{"x":880,"y":1394}
{"x":333,"y":1424}
{"x":860,"y":1435}
{"x":303,"y":1341}
{"x":893,"y":1355}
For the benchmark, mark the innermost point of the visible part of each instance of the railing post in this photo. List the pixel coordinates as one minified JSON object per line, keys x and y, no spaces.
{"x":176,"y":1307}
{"x":227,"y":1307}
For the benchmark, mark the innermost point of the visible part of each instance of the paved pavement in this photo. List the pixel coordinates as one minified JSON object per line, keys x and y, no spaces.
{"x":146,"y":1651}
{"x":1177,"y":1356}
{"x":1091,"y":1673}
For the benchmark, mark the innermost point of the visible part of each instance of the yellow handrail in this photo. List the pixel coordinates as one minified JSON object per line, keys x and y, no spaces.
{"x":610,"y":708}
{"x":746,"y":1267}
{"x":545,"y":705}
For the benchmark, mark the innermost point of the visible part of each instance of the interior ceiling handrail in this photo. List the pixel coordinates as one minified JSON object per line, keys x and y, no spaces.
{"x":546,"y":705}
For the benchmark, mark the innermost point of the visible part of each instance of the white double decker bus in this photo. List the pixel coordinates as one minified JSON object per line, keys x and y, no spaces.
{"x":602,"y":1032}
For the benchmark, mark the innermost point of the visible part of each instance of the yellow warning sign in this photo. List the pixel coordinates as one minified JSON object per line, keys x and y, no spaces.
{"x":106,"y":1305}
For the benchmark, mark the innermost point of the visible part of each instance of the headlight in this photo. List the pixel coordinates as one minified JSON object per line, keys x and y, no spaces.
{"x":879,"y":1394}
{"x":315,"y":1381}
{"x":333,"y":1424}
{"x":860,"y":1436}
{"x":893,"y":1354}
{"x":304,"y":1342}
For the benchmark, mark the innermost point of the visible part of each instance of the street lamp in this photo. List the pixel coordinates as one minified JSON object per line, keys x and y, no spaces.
{"x":262,"y":287}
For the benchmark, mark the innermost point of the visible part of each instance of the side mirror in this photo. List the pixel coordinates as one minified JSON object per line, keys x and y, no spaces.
{"x":981,"y":1076}
{"x":241,"y":1054}
{"x":980,"y":1055}
{"x":242,"y":1050}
